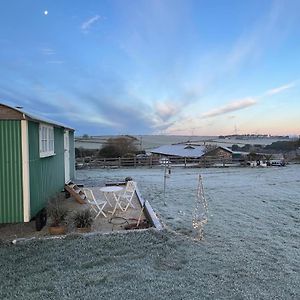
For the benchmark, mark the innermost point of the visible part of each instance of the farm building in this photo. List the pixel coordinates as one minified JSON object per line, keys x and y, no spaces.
{"x":180,"y":150}
{"x":219,"y":153}
{"x":36,"y":160}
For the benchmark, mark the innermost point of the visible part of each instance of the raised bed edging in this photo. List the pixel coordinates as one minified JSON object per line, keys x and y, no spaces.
{"x":148,"y":210}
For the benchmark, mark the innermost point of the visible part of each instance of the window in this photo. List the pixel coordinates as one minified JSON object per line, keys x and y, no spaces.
{"x":46,"y":140}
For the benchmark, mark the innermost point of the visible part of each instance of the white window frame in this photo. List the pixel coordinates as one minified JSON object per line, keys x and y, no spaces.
{"x":46,"y":137}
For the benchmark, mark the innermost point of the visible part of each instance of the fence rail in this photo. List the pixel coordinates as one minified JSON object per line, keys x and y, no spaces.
{"x":119,"y":162}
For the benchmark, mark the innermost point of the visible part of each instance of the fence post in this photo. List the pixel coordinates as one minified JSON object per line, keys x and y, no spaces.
{"x":119,"y":162}
{"x":134,"y":161}
{"x":185,"y":162}
{"x":150,"y":161}
{"x":104,"y":163}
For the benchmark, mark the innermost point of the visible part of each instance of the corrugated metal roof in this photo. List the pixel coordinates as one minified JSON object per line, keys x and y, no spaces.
{"x":180,"y":150}
{"x":38,"y":118}
{"x":226,"y":149}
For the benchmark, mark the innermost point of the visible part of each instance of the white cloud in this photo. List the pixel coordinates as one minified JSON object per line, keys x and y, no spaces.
{"x":231,"y":117}
{"x":254,"y":41}
{"x":85,"y":26}
{"x":57,"y":62}
{"x":280,"y":89}
{"x":166,"y":109}
{"x":233,"y":106}
{"x":48,"y":51}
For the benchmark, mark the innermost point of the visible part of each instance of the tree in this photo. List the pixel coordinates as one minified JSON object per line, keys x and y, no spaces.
{"x":118,"y":147}
{"x":235,"y":147}
{"x":284,"y":145}
{"x":253,"y":156}
{"x":247,"y":147}
{"x":82,"y":152}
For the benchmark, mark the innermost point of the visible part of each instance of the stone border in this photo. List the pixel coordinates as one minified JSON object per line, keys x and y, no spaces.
{"x":148,"y":210}
{"x":75,"y":234}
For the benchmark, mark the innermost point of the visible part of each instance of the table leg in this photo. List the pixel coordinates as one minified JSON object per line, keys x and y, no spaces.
{"x":106,"y":195}
{"x":117,"y":203}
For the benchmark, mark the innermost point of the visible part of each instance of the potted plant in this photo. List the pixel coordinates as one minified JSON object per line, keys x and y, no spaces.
{"x":83,"y":220}
{"x":57,"y":214}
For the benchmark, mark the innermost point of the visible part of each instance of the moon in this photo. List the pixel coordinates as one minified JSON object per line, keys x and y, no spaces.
{"x":46,"y":12}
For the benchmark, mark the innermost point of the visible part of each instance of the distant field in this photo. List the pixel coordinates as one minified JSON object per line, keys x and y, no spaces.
{"x":152,"y":141}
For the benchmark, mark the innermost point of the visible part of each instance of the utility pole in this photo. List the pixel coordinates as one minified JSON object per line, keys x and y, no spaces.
{"x":141,"y":143}
{"x":235,"y":129}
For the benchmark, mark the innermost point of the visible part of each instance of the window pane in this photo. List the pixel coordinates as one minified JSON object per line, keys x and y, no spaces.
{"x":46,"y":140}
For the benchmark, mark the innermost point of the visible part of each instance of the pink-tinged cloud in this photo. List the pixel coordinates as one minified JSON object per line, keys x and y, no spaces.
{"x":166,"y":110}
{"x":280,"y":89}
{"x":230,"y":107}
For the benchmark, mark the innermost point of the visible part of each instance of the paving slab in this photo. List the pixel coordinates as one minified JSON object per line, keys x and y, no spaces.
{"x":10,"y":232}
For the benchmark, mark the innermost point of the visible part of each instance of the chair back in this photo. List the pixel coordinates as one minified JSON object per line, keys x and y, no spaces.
{"x":89,"y":195}
{"x":94,"y":205}
{"x":130,"y":187}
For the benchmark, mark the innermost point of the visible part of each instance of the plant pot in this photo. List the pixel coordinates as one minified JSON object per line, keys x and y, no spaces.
{"x":56,"y":230}
{"x":83,"y":229}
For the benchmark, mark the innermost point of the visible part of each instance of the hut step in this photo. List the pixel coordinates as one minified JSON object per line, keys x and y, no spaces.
{"x":76,"y":192}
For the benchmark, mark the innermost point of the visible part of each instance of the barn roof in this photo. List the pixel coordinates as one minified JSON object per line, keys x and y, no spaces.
{"x":180,"y":150}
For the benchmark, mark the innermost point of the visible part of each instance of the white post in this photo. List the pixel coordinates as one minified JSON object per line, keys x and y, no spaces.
{"x":25,"y":170}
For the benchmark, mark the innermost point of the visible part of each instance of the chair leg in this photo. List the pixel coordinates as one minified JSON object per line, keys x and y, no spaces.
{"x":119,"y":204}
{"x":94,"y":209}
{"x":126,"y":206}
{"x":129,"y":204}
{"x":102,"y":212}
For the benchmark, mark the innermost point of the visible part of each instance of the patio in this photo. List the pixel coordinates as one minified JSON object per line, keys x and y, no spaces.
{"x":118,"y":222}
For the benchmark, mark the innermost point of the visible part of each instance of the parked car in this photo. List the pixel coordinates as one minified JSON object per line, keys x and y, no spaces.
{"x":164,"y":161}
{"x":277,"y":163}
{"x":143,"y":156}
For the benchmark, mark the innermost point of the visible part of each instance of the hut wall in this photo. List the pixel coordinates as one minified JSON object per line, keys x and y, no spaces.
{"x":11,"y":192}
{"x":47,"y":173}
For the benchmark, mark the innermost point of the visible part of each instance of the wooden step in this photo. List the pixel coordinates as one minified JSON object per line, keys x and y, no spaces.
{"x":77,"y":194}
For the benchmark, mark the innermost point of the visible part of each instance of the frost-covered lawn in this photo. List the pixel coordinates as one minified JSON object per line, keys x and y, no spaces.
{"x":251,"y":248}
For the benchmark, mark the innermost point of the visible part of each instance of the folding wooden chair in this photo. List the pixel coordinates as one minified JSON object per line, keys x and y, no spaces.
{"x":128,"y":194}
{"x":96,"y":205}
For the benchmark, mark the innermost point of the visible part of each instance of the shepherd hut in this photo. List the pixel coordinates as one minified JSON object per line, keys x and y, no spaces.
{"x":37,"y":158}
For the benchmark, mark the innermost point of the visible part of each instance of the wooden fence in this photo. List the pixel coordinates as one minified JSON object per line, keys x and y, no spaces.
{"x":151,"y":162}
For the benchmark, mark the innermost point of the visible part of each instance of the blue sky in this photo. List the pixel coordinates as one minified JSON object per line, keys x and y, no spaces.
{"x":154,"y":67}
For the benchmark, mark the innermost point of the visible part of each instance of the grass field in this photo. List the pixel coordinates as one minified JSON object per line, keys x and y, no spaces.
{"x":250,"y":248}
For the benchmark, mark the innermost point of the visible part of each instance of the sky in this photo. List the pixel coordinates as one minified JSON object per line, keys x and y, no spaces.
{"x":154,"y":67}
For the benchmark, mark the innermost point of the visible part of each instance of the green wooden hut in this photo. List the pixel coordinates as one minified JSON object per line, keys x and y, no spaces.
{"x":37,"y":158}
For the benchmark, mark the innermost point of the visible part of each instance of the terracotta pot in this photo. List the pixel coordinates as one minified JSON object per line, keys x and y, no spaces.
{"x":83,"y":229}
{"x":56,"y":230}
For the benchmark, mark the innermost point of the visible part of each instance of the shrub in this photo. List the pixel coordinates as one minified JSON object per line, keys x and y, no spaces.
{"x":56,"y":211}
{"x":83,"y":219}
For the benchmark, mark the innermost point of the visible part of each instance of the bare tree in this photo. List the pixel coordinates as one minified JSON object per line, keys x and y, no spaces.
{"x":118,"y":147}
